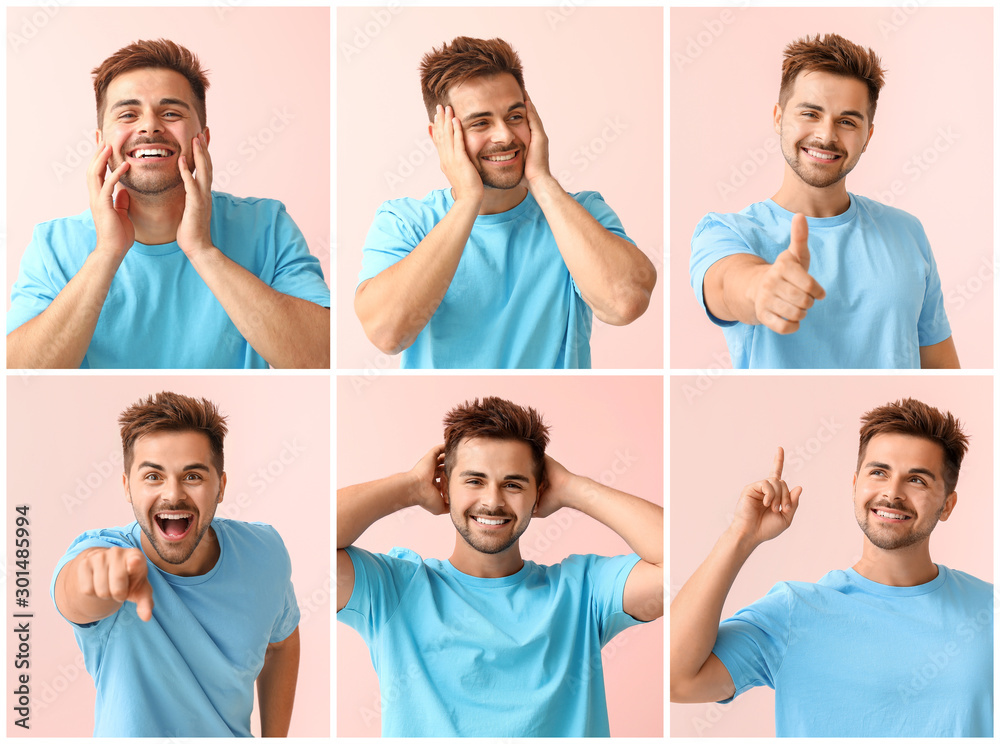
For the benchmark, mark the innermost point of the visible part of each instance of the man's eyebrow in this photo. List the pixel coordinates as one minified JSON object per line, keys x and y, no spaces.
{"x":192,"y":466}
{"x":487,"y":114}
{"x":916,"y":471}
{"x":163,"y":102}
{"x":477,"y":474}
{"x":817,"y":107}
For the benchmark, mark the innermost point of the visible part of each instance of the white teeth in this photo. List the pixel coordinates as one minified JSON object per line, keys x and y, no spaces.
{"x":150,"y":153}
{"x":887,"y":515}
{"x":173,"y":516}
{"x":821,"y":155}
{"x":484,"y":520}
{"x":501,"y":158}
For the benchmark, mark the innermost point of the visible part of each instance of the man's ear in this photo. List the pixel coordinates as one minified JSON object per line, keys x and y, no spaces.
{"x":949,"y":506}
{"x":777,"y":118}
{"x":208,"y":139}
{"x":222,"y":489}
{"x":443,"y":487}
{"x":98,"y":137}
{"x":542,"y":487}
{"x":128,"y":493}
{"x":871,"y":131}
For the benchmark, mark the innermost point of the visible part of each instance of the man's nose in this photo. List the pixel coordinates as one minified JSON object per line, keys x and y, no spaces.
{"x":827,"y":130}
{"x":502,"y":133}
{"x":150,"y":124}
{"x":493,"y":496}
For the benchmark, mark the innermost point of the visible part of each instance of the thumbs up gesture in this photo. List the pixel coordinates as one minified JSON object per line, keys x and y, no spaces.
{"x":785,"y":292}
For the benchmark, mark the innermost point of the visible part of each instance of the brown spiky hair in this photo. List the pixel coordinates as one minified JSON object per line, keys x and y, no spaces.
{"x":917,"y":419}
{"x":172,"y":412}
{"x":462,"y":60}
{"x":496,"y":418}
{"x":161,"y":53}
{"x":834,"y":54}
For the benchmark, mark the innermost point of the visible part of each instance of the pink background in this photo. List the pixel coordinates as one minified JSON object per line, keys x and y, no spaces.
{"x":582,"y":67}
{"x":64,"y":461}
{"x":725,"y":69}
{"x":385,"y":424}
{"x":816,"y":420}
{"x":260,"y":61}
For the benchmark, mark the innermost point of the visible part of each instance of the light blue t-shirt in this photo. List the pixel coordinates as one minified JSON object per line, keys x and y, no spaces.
{"x":883,"y":293}
{"x":159,"y":313}
{"x":850,"y":657}
{"x":190,"y":670}
{"x":458,"y":655}
{"x":512,"y":302}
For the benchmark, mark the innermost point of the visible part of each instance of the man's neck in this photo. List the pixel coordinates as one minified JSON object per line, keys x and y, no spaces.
{"x":797,"y":196}
{"x":471,"y":562}
{"x":156,"y":217}
{"x":496,"y":201}
{"x":910,"y":566}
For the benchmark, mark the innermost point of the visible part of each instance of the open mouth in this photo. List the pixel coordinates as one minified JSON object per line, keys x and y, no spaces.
{"x":890,"y":516}
{"x":821,"y":156}
{"x":174,"y":525}
{"x":491,"y":522}
{"x":502,"y":158}
{"x":150,"y":153}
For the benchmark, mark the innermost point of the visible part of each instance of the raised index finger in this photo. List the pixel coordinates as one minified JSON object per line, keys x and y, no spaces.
{"x":777,"y":464}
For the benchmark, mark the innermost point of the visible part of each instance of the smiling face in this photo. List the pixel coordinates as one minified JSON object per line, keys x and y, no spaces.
{"x":824,"y":127}
{"x":492,"y":492}
{"x":899,"y":491}
{"x":495,"y":125}
{"x":174,"y":490}
{"x":150,"y":118}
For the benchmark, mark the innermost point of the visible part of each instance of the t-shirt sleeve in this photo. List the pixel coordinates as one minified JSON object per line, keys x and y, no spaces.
{"x":390,"y":239}
{"x":712,"y":241}
{"x":594,"y":203}
{"x":296,"y":272}
{"x":752,"y":643}
{"x":40,"y":279}
{"x":608,"y":577}
{"x":379,"y":583}
{"x":287,"y":619}
{"x":932,"y":326}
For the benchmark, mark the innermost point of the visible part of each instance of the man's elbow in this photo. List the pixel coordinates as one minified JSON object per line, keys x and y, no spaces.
{"x":625,"y":306}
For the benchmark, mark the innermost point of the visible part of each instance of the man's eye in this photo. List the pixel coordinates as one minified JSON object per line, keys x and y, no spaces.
{"x":151,"y":476}
{"x":126,"y":115}
{"x":193,"y":476}
{"x":516,"y":117}
{"x":172,"y":113}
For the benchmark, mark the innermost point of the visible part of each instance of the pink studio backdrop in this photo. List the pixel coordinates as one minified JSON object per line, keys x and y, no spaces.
{"x":816,"y":420}
{"x":933,"y":135}
{"x":64,"y":461}
{"x":596,"y":77}
{"x":386,"y":424}
{"x":268,"y":107}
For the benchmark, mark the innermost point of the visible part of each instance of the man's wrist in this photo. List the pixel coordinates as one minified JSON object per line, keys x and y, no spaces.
{"x":545,"y":188}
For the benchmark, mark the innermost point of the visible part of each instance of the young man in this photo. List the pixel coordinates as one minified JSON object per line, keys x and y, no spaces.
{"x":504,"y":269}
{"x":816,"y":276}
{"x":842,"y":654}
{"x":487,"y":644}
{"x":177,"y":614}
{"x":165,"y":272}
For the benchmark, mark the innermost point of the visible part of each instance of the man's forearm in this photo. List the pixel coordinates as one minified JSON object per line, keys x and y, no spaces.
{"x":615,"y":278}
{"x":637,"y":521}
{"x":287,"y":331}
{"x":58,"y":338}
{"x":394,"y":306}
{"x":729,"y":287}
{"x":276,"y":685}
{"x":697,"y":609}
{"x":360,"y":506}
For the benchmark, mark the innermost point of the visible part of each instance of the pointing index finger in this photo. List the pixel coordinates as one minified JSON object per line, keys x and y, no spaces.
{"x":778,"y":463}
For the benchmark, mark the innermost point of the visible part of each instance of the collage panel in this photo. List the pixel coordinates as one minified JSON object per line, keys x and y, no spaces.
{"x":217,"y":253}
{"x":466,"y":639}
{"x":865,"y":602}
{"x":894,"y":263}
{"x":223,"y":484}
{"x":510,"y":296}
